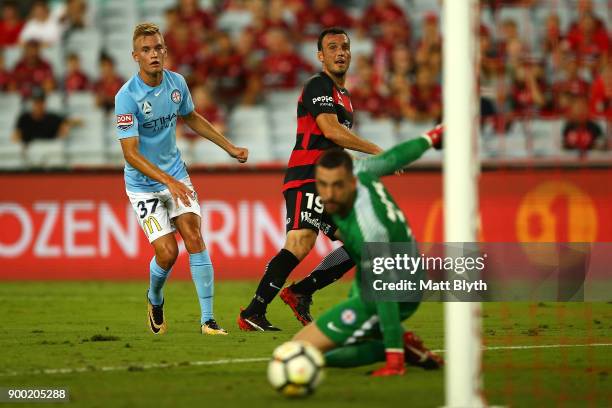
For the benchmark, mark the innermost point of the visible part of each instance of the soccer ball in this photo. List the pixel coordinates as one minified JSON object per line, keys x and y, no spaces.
{"x":296,"y":369}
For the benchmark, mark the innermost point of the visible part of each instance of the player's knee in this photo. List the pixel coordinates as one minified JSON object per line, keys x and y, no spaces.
{"x":300,"y":242}
{"x":193,"y":241}
{"x":166,"y":255}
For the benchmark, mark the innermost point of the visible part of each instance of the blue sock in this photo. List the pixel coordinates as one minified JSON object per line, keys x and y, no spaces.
{"x":158,"y":276}
{"x":203,"y":277}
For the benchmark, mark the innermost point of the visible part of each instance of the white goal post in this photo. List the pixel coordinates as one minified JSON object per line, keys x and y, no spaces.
{"x":462,"y":331}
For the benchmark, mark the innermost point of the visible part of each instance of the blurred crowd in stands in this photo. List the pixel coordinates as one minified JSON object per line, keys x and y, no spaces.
{"x":538,"y":58}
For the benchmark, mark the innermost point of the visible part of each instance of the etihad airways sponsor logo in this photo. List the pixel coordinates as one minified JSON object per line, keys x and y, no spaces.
{"x":162,"y":122}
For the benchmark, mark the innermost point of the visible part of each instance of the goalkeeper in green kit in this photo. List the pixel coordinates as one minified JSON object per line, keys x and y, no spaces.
{"x":355,"y":332}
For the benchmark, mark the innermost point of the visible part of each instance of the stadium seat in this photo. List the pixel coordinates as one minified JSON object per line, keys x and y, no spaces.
{"x":601,"y":8}
{"x":513,"y":143}
{"x":118,"y":45}
{"x":522,"y":17}
{"x":542,"y":12}
{"x":116,"y":15}
{"x":12,"y":55}
{"x":46,"y":154}
{"x":257,"y":139}
{"x":408,"y":129}
{"x":544,"y":136}
{"x":283,"y":124}
{"x":87,"y":45}
{"x":54,"y":55}
{"x":414,"y":7}
{"x":11,"y":156}
{"x":10,"y":107}
{"x":85,"y":144}
{"x":206,"y":152}
{"x":308,"y":51}
{"x":359,"y":46}
{"x":55,"y":102}
{"x":248,"y":117}
{"x":379,"y":131}
{"x":283,"y":100}
{"x":153,"y":11}
{"x":234,"y":21}
{"x":114,"y":153}
{"x":489,"y":142}
{"x":80,"y":102}
{"x":185,"y":147}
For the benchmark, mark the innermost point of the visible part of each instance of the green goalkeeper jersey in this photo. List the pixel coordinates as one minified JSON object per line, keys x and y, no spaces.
{"x":375,"y":217}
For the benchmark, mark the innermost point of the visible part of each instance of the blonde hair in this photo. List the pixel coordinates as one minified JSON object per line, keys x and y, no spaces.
{"x":146,"y":29}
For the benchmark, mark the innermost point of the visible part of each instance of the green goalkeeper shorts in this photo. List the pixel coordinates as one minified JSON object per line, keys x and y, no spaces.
{"x":355,"y":320}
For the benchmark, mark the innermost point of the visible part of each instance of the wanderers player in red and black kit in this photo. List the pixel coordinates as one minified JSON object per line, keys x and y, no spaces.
{"x":325,"y":117}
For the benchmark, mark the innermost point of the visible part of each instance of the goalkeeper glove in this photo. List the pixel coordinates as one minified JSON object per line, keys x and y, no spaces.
{"x":395,"y":365}
{"x":435,"y":136}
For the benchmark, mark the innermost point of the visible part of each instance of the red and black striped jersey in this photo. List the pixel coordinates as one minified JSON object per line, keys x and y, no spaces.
{"x":320,"y":95}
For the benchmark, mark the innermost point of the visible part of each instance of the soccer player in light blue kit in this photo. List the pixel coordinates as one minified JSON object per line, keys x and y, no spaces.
{"x":156,"y":179}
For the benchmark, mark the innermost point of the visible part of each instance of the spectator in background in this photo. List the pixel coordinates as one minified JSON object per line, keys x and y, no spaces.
{"x":322,"y":14}
{"x":39,"y":124}
{"x":32,"y":71}
{"x":569,"y":85}
{"x":509,"y":39}
{"x":528,"y":90}
{"x":75,"y":79}
{"x":108,"y":85}
{"x":5,"y":75}
{"x":41,"y":25}
{"x":365,"y":97}
{"x":183,"y":46}
{"x":245,"y":47}
{"x":279,"y":17}
{"x":491,"y":64}
{"x":10,"y":25}
{"x":258,"y":26}
{"x":399,"y":97}
{"x":281,"y":67}
{"x":73,"y":17}
{"x":382,"y":13}
{"x":552,"y":38}
{"x":261,"y":23}
{"x":205,"y":106}
{"x":225,"y":70}
{"x":425,"y":98}
{"x":199,"y":22}
{"x":589,"y":40}
{"x":601,"y":93}
{"x":431,"y":39}
{"x":391,"y":35}
{"x":367,"y":100}
{"x":579,"y":132}
{"x":402,"y":63}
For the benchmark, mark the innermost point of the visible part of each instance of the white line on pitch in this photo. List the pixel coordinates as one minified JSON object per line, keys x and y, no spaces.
{"x":249,"y":360}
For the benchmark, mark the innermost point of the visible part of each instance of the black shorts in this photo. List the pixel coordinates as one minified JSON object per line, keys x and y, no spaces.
{"x":305,"y":210}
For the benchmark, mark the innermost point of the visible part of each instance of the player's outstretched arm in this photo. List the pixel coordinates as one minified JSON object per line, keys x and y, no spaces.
{"x":342,"y":136}
{"x":205,"y":129}
{"x":132,"y":155}
{"x":402,"y":154}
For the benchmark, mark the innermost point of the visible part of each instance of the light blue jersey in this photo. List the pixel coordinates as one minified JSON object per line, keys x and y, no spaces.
{"x":150,"y":113}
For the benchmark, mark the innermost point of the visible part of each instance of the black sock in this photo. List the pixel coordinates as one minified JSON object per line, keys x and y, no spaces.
{"x":277,"y":271}
{"x":332,"y":267}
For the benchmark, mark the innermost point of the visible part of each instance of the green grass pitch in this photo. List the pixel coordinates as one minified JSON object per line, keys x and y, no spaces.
{"x":96,"y":331}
